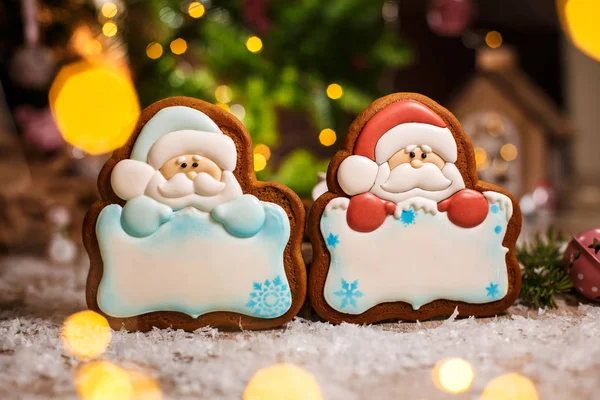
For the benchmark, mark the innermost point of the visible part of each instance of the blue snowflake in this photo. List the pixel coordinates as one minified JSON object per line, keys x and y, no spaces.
{"x":270,"y":299}
{"x":492,"y":290}
{"x":333,"y":240}
{"x":408,"y":217}
{"x":349,"y":293}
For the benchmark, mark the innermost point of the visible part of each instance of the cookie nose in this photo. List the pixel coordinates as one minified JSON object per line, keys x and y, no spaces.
{"x":416,"y":163}
{"x":192,"y":175}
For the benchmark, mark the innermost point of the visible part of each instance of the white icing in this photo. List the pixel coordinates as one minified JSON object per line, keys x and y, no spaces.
{"x":426,"y":148}
{"x":180,"y":160}
{"x":339,"y":203}
{"x":410,"y":147}
{"x":415,"y":260}
{"x":356,"y":174}
{"x":416,"y":203}
{"x":130,"y":177}
{"x":319,"y":189}
{"x":218,"y":147}
{"x":206,"y":185}
{"x":196,"y":157}
{"x":399,"y":137}
{"x":503,"y":201}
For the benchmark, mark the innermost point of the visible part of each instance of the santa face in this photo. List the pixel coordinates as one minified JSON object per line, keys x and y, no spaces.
{"x":417,"y":171}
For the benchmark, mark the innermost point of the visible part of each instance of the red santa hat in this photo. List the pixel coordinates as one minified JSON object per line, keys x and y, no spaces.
{"x":397,"y":126}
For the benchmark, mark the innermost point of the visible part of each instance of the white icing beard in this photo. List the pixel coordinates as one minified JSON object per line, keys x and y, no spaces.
{"x":402,"y":183}
{"x":204,"y":193}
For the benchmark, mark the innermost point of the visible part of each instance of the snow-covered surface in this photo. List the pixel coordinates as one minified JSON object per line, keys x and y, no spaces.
{"x":558,"y":349}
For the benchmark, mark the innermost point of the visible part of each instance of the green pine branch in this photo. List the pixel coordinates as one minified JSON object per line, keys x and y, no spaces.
{"x":544,"y":276}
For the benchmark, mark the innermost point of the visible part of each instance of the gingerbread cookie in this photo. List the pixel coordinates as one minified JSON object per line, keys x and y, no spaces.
{"x":406,"y":230}
{"x":185,"y":236}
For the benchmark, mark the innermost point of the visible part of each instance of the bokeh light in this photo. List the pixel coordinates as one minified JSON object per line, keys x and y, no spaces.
{"x":334,"y":91}
{"x":109,"y":9}
{"x":103,"y":380}
{"x":263,"y":149}
{"x":86,"y":334}
{"x":238,"y":110}
{"x":282,"y":381}
{"x":223,"y":94}
{"x":327,"y":137}
{"x":196,"y":9}
{"x":508,"y":151}
{"x":254,"y":44}
{"x":94,"y":105}
{"x":481,"y":158}
{"x":144,"y":386}
{"x":510,"y":387}
{"x":260,"y":162}
{"x":223,"y":106}
{"x":109,"y":29}
{"x":154,"y":50}
{"x":178,"y":46}
{"x":493,"y":39}
{"x":453,"y":375}
{"x":580,"y":21}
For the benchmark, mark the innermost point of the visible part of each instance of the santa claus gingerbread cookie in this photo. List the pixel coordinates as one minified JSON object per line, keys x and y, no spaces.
{"x":406,"y":230}
{"x":185,"y":236}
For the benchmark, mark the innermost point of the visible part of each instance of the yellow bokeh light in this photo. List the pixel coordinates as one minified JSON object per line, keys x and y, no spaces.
{"x":453,"y":375}
{"x":263,"y":149}
{"x":580,"y":21}
{"x":223,"y":106}
{"x":109,"y":10}
{"x":493,"y":39}
{"x":254,"y":44}
{"x":223,"y":94}
{"x":95,"y":106}
{"x":109,"y":29}
{"x":510,"y":386}
{"x":327,"y":137}
{"x":509,"y":151}
{"x":334,"y":91}
{"x":196,"y":9}
{"x":481,"y":158}
{"x":282,"y":381}
{"x":144,"y":387}
{"x":495,"y":127}
{"x":86,"y":334}
{"x":154,"y":50}
{"x":260,"y":162}
{"x":102,"y":380}
{"x":178,"y":46}
{"x":93,"y":47}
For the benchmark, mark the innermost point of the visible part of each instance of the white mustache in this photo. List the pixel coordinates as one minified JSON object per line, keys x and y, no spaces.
{"x":404,"y":178}
{"x":206,"y":185}
{"x":180,"y":186}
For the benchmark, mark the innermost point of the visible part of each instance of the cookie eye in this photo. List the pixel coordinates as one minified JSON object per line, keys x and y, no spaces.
{"x":412,"y":154}
{"x":195,"y":164}
{"x":424,"y":156}
{"x":184,"y":165}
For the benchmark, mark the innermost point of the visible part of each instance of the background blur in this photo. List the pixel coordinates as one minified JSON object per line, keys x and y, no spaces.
{"x":521,"y":75}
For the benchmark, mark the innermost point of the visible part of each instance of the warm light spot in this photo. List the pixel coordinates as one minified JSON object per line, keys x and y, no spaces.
{"x":109,"y":29}
{"x":144,"y":386}
{"x":510,"y":386}
{"x":260,"y":162}
{"x":196,"y":9}
{"x":327,"y":137}
{"x":223,"y":94}
{"x":102,"y":380}
{"x":508,"y":151}
{"x":95,"y":106}
{"x":93,"y":47}
{"x":334,"y":91}
{"x":254,"y":44}
{"x":154,"y":50}
{"x":263,"y":149}
{"x":238,"y":110}
{"x":178,"y":46}
{"x":493,"y":39}
{"x":109,"y":10}
{"x":85,"y":334}
{"x":453,"y":375}
{"x":495,"y":127}
{"x":223,"y":106}
{"x":580,"y":20}
{"x":500,"y":166}
{"x":481,"y":158}
{"x":282,"y":381}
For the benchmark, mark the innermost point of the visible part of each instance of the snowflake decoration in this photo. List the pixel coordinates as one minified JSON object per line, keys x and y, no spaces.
{"x":333,"y":240}
{"x":270,"y":299}
{"x":408,"y":217}
{"x":492,"y":290}
{"x":349,"y":293}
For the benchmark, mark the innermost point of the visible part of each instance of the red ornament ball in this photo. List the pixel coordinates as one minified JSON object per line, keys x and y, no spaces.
{"x":449,"y":17}
{"x":582,"y":263}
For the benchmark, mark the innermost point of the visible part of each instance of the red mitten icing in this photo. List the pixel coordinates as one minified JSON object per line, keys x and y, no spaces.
{"x":366,"y":212}
{"x":467,"y":208}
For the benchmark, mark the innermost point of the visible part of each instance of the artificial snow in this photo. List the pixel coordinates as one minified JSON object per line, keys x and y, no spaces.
{"x":557,"y":349}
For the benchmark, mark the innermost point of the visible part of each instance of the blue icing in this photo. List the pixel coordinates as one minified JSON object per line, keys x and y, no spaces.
{"x":332,"y":240}
{"x":348,"y":294}
{"x":408,"y":217}
{"x":494,"y":209}
{"x":498,"y":229}
{"x":241,"y":217}
{"x":142,"y":216}
{"x":492,"y":290}
{"x":170,"y":119}
{"x":270,"y":299}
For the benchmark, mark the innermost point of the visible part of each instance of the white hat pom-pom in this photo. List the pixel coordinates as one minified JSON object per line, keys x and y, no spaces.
{"x":357,"y":174}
